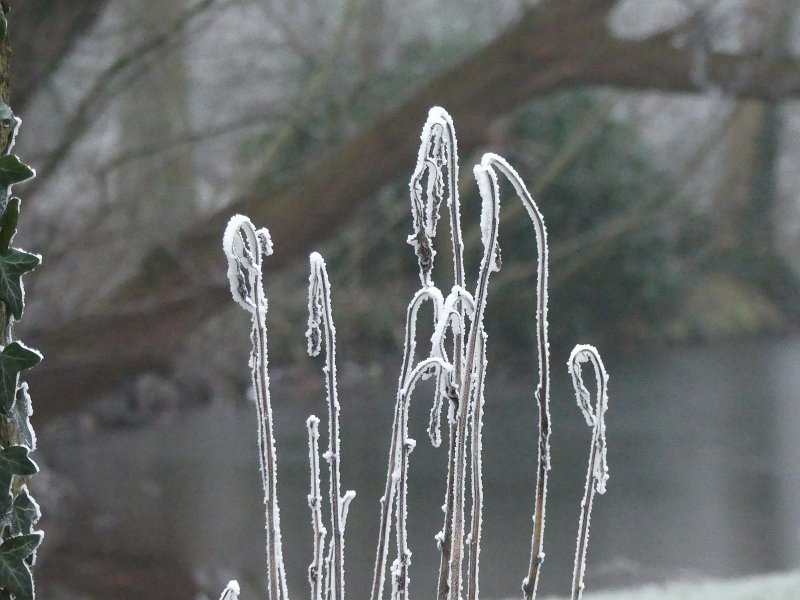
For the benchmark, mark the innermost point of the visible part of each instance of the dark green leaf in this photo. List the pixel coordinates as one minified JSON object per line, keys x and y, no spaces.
{"x":15,"y":460}
{"x":25,"y":513}
{"x":14,"y":264}
{"x":15,"y":575}
{"x":6,"y":507}
{"x":8,"y":224}
{"x":21,"y":415}
{"x":13,"y":170}
{"x":14,"y":358}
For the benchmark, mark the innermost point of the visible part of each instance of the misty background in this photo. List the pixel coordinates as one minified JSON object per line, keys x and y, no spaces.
{"x":660,"y":140}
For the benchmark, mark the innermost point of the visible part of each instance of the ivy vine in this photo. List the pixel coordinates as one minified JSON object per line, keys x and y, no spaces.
{"x":19,"y":512}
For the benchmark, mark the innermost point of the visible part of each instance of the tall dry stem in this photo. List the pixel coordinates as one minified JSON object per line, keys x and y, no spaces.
{"x":244,"y":247}
{"x":597,"y":474}
{"x":320,"y":326}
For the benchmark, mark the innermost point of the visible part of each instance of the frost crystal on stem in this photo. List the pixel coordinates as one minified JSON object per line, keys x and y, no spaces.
{"x":597,"y":474}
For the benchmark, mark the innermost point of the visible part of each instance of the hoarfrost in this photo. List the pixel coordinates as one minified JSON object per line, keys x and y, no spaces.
{"x":231,"y":591}
{"x":244,"y":247}
{"x":597,"y":473}
{"x":320,"y":325}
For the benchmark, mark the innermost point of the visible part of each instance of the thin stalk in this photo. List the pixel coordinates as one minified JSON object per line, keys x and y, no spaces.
{"x":244,"y":247}
{"x":597,"y":474}
{"x":487,"y":180}
{"x":401,"y":564}
{"x":542,"y":394}
{"x":477,"y":476}
{"x":437,"y":169}
{"x":321,"y":317}
{"x":454,"y":206}
{"x":387,"y":501}
{"x":316,"y":568}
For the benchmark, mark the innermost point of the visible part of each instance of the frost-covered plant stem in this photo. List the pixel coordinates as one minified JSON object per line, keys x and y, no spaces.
{"x":487,"y":181}
{"x":316,"y":569}
{"x":597,"y":473}
{"x":459,"y":380}
{"x":320,"y":319}
{"x":432,"y":294}
{"x":489,"y":162}
{"x":244,"y":248}
{"x":400,"y":567}
{"x":477,"y":475}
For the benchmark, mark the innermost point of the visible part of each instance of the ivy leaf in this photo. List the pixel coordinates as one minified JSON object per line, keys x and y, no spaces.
{"x":21,"y":414}
{"x":13,"y":170}
{"x":14,"y":358}
{"x":8,"y":224}
{"x":15,"y":575}
{"x":14,"y":460}
{"x":25,"y":513}
{"x":6,"y":507}
{"x":14,"y":264}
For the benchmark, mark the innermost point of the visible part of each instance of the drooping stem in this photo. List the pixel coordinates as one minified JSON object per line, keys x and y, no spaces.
{"x":597,"y":473}
{"x":477,"y":474}
{"x":316,"y":568}
{"x":542,"y":395}
{"x":400,"y":567}
{"x":387,"y":501}
{"x":435,"y":175}
{"x":244,"y":248}
{"x":441,"y":125}
{"x":320,"y":320}
{"x":487,"y":181}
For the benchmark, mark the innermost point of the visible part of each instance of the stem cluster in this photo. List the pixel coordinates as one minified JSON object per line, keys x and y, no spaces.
{"x":459,"y":369}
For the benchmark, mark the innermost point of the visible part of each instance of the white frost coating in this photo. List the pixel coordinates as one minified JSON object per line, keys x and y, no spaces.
{"x":436,"y":171}
{"x":583,"y":353}
{"x":474,"y":536}
{"x":231,"y":591}
{"x":427,"y":293}
{"x":597,"y":473}
{"x":316,"y":568}
{"x":490,"y":162}
{"x":315,"y":307}
{"x":407,"y":445}
{"x":320,"y":321}
{"x":244,"y":247}
{"x":489,"y":208}
{"x":26,"y":399}
{"x":344,"y":507}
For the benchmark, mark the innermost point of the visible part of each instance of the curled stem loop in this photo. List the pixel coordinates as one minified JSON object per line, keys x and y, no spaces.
{"x":597,"y":474}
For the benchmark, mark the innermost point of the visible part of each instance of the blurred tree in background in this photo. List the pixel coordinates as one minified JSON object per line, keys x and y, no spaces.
{"x":160,"y":123}
{"x":659,"y":138}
